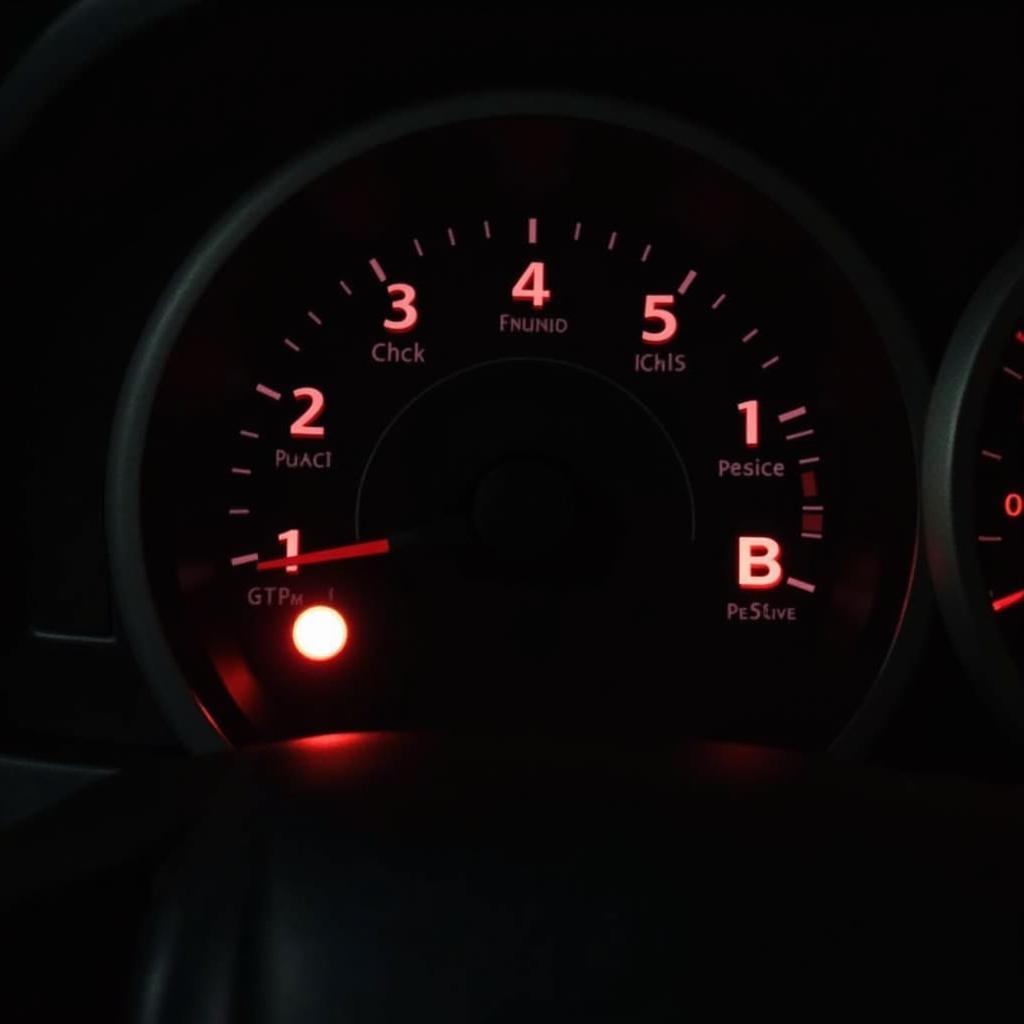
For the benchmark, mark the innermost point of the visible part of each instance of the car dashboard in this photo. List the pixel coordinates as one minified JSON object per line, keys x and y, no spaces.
{"x":586,"y":381}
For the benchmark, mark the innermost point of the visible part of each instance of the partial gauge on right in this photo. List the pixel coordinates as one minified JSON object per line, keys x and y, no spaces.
{"x":974,"y":487}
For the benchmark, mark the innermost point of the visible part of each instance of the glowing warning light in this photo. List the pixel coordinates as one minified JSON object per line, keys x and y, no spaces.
{"x":319,"y":633}
{"x":1019,"y":335}
{"x":759,"y":565}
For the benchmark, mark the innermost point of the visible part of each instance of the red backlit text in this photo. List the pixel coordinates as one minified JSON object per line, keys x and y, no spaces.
{"x":759,"y":562}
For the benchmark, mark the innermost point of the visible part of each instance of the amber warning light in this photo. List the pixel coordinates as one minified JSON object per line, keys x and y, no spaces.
{"x":319,"y":633}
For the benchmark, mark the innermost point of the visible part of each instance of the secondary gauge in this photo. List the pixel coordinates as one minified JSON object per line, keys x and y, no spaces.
{"x":974,"y":482}
{"x":527,"y":413}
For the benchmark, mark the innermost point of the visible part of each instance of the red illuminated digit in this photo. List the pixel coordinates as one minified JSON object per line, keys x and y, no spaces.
{"x":1013,"y":505}
{"x":658,"y":308}
{"x":760,"y":567}
{"x":530,"y":286}
{"x":403,"y":302}
{"x":751,"y":425}
{"x":305,"y":426}
{"x":290,"y":540}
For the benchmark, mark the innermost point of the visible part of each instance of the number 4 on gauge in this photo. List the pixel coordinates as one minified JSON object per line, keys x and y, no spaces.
{"x":530,"y":286}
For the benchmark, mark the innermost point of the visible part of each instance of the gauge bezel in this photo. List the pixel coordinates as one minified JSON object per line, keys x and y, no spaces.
{"x":132,"y":588}
{"x":952,"y":436}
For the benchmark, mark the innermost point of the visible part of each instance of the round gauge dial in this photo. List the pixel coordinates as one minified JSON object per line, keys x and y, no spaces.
{"x":520,"y":413}
{"x":974,"y":475}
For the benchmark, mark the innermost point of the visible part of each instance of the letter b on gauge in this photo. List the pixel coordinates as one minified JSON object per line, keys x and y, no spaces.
{"x":759,"y":563}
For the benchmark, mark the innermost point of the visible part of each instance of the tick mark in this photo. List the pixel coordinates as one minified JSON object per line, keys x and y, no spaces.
{"x":487,"y":230}
{"x":691,"y":276}
{"x":250,"y":433}
{"x":612,"y":239}
{"x":344,"y":287}
{"x":792,"y":581}
{"x":245,"y":559}
{"x":793,"y":414}
{"x":1013,"y":373}
{"x":291,"y":344}
{"x":811,"y":460}
{"x":262,"y":389}
{"x":769,"y":363}
{"x":451,"y":237}
{"x":576,"y":231}
{"x":531,"y":231}
{"x":416,"y":245}
{"x":238,"y":511}
{"x":991,"y":455}
{"x":378,"y":270}
{"x":646,"y":253}
{"x":718,"y":301}
{"x":750,"y":335}
{"x":312,"y":316}
{"x":989,"y":540}
{"x":241,"y":471}
{"x":799,"y":434}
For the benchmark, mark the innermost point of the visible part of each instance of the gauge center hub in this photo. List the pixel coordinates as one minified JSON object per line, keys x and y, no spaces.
{"x":525,"y":509}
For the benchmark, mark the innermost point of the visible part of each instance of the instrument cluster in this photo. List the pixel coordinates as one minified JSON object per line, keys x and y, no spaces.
{"x":577,"y":379}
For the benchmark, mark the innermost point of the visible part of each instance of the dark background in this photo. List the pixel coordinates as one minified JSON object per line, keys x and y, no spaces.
{"x":20,"y":24}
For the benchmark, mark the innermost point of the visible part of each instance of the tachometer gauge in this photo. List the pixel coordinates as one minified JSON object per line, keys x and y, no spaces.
{"x":974,"y":481}
{"x":527,"y":413}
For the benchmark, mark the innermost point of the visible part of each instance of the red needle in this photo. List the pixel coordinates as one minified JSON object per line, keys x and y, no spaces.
{"x":1005,"y":602}
{"x":364,"y":549}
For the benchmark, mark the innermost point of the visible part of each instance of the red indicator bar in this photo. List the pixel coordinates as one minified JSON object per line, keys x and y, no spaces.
{"x":364,"y":549}
{"x":1007,"y":602}
{"x":812,"y":522}
{"x":809,"y":484}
